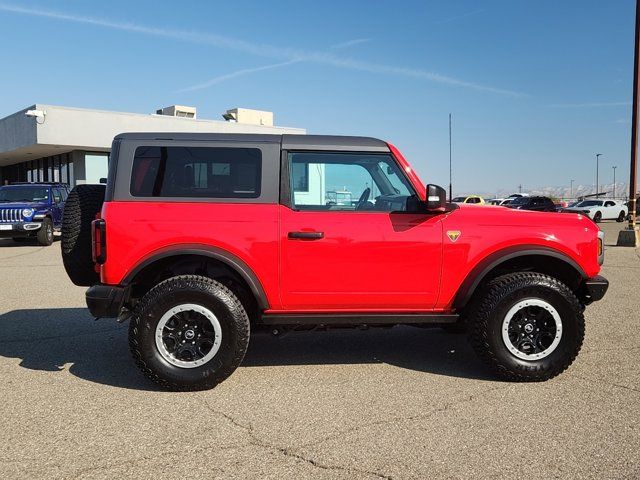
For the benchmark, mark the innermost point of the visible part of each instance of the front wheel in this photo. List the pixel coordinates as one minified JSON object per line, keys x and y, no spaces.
{"x":189,"y":333}
{"x":528,"y":327}
{"x":45,"y":234}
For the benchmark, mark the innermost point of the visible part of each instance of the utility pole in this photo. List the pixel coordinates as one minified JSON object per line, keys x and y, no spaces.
{"x":450,"y":169}
{"x":571,"y":197}
{"x":629,"y":236}
{"x":520,"y":188}
{"x":614,"y":181}
{"x":597,"y":172}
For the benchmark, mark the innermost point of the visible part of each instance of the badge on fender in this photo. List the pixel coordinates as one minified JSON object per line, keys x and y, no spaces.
{"x":453,"y":235}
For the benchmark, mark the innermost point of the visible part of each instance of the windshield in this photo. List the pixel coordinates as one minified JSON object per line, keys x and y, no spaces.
{"x":24,"y":194}
{"x":519,"y":201}
{"x":590,"y":203}
{"x":459,"y":199}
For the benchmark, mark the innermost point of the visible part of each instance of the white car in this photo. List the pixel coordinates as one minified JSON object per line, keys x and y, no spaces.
{"x":500,"y":201}
{"x":598,"y":210}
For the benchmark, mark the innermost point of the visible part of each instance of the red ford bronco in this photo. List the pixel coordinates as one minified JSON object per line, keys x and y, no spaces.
{"x":199,"y":239}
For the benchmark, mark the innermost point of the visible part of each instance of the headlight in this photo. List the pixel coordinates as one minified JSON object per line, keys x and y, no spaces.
{"x":27,"y":212}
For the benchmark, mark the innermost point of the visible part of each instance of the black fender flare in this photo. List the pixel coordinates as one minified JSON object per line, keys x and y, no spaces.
{"x":209,"y":251}
{"x":480,"y":271}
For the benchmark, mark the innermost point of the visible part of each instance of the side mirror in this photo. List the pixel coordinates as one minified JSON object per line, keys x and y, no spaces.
{"x":103,"y":180}
{"x":436,"y":198}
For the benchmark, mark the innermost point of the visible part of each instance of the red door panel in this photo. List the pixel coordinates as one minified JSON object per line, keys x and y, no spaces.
{"x":359,"y":261}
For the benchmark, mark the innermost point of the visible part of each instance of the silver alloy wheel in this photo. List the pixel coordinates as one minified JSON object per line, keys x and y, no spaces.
{"x":532,"y":329}
{"x":179,"y":335}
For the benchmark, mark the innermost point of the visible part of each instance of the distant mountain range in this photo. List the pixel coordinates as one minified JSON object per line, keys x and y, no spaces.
{"x":564,"y":192}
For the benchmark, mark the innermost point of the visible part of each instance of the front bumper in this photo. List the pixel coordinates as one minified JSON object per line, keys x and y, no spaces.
{"x":593,"y":289}
{"x":20,"y":229}
{"x":105,"y":300}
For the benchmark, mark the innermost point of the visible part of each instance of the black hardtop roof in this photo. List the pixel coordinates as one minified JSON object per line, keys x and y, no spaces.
{"x":289,"y":142}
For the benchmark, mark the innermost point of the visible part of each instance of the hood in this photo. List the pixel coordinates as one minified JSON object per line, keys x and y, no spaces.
{"x":35,"y":205}
{"x":507,"y":216}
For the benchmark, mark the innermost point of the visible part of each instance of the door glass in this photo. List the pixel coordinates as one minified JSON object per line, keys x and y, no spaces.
{"x":347,"y":182}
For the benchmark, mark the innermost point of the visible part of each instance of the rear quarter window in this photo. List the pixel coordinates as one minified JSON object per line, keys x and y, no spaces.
{"x":196,"y":172}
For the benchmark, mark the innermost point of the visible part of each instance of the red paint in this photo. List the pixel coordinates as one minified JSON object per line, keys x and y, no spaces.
{"x":366,"y":261}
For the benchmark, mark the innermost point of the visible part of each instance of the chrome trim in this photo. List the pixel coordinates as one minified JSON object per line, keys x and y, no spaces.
{"x":10,"y":215}
{"x":32,"y":226}
{"x":601,"y":247}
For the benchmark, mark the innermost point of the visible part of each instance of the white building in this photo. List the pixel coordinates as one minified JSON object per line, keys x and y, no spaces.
{"x":49,"y":143}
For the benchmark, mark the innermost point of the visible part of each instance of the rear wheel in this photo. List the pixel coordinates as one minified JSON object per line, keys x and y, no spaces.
{"x":621,"y":217}
{"x":597,"y":217}
{"x":45,"y":234}
{"x":528,"y":327}
{"x":189,"y":333}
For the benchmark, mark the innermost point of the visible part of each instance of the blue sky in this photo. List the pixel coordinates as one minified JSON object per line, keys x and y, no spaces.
{"x":536,"y":88}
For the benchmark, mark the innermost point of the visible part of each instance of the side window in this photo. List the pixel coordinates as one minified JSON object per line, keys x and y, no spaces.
{"x":196,"y":172}
{"x":347,"y":182}
{"x":57,"y":196}
{"x":609,"y":204}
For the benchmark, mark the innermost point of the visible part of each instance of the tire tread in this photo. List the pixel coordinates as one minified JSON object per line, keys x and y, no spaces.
{"x":490,"y":297}
{"x":208,"y":285}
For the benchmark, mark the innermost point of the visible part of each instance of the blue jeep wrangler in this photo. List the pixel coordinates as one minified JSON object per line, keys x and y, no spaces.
{"x":32,"y":210}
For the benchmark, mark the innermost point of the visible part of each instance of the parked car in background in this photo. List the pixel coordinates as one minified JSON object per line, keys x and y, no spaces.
{"x":537,"y":204}
{"x":31,"y":210}
{"x":477,"y":199}
{"x":500,"y":201}
{"x":600,"y":209}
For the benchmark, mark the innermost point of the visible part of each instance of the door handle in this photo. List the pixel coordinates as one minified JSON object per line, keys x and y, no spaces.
{"x":306,"y":235}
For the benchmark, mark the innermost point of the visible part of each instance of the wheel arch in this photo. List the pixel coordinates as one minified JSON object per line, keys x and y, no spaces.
{"x":190,"y":253}
{"x":522,"y":258}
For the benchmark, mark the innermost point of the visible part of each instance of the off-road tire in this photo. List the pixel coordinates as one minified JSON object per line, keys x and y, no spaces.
{"x":621,"y":217}
{"x":82,"y":205}
{"x":597,"y":217}
{"x":191,"y":289}
{"x":493,"y":304}
{"x":45,"y":234}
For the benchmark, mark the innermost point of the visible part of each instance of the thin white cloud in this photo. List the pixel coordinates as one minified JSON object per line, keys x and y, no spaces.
{"x":591,"y":105}
{"x":237,"y":73}
{"x":350,"y":43}
{"x":284,"y":54}
{"x":461,"y":16}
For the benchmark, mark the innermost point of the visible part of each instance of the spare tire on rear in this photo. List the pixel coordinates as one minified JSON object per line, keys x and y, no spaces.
{"x":84,"y":202}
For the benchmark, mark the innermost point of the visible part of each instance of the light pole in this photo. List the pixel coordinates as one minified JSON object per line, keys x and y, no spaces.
{"x":614,"y":181}
{"x":597,"y":172}
{"x":571,"y":197}
{"x":630,"y":237}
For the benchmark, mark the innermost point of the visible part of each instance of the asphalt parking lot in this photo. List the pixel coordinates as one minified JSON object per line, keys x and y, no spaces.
{"x":399,"y":403}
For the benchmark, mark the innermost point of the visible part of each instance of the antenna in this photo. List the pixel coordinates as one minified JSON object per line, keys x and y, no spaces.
{"x":450,"y":169}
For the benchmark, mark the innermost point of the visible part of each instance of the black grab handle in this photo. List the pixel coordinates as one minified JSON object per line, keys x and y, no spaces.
{"x":306,"y":235}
